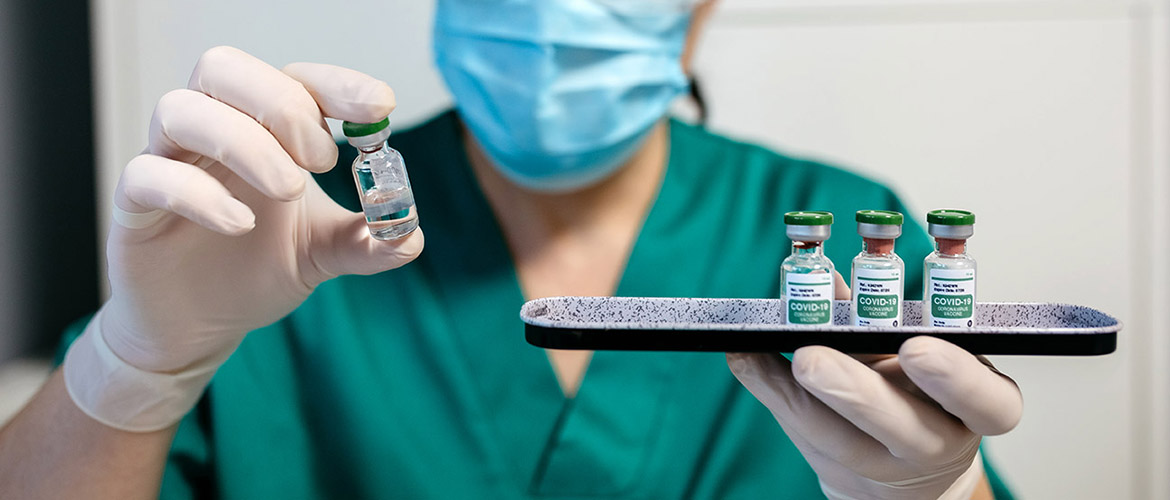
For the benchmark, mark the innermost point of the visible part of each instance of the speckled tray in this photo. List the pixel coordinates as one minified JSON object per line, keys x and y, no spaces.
{"x":757,"y":325}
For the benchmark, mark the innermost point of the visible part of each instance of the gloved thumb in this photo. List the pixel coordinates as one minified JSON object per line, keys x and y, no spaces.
{"x":351,"y":250}
{"x":341,"y":244}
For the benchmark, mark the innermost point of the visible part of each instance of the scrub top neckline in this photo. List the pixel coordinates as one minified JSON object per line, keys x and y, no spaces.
{"x":622,"y":283}
{"x":608,"y":382}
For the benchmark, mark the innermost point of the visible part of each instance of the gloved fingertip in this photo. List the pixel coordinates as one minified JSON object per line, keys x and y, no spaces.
{"x":343,"y":93}
{"x":988,"y":402}
{"x":237,"y":218}
{"x":409,"y":248}
{"x":291,"y":188}
{"x":298,"y":191}
{"x":233,"y":227}
{"x":738,"y":362}
{"x":810,"y":363}
{"x":320,"y":159}
{"x":1006,"y":419}
{"x":293,"y":67}
{"x":242,"y":230}
{"x":384,"y":255}
{"x":841,"y":289}
{"x":372,"y":102}
{"x":759,"y":366}
{"x":381,"y":99}
{"x":927,"y":356}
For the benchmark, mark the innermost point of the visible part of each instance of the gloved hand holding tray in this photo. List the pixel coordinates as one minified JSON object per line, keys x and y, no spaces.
{"x":757,"y":325}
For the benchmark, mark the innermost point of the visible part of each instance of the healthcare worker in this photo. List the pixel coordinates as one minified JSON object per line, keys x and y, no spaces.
{"x":558,"y":174}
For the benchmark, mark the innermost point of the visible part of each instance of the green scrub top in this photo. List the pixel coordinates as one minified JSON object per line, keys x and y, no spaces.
{"x":417,"y":383}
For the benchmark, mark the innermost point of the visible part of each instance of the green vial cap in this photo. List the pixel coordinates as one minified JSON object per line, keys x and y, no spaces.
{"x":351,"y":129}
{"x":816,"y":218}
{"x":950,"y":217}
{"x":881,"y":217}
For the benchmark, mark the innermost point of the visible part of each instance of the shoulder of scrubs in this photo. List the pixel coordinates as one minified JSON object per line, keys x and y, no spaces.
{"x":770,"y":183}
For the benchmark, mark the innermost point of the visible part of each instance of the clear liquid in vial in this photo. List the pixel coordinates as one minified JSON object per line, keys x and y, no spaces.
{"x":390,"y":213}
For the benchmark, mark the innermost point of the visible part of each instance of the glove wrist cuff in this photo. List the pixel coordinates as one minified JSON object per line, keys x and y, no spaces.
{"x":122,"y":396}
{"x":965,"y":485}
{"x":921,"y":487}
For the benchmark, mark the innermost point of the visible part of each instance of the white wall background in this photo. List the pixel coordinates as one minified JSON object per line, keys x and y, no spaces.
{"x":1047,"y":118}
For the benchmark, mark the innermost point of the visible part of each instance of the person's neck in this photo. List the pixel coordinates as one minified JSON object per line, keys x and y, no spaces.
{"x":530,"y":219}
{"x":574,"y":243}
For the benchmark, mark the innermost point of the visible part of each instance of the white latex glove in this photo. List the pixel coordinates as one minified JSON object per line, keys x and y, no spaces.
{"x":219,"y":230}
{"x":886,"y":427}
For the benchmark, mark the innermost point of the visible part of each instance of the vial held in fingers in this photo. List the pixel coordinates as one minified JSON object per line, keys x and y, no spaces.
{"x":382,"y":184}
{"x":949,"y":295}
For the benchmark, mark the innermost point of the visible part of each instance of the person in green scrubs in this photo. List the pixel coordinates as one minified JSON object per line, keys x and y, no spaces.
{"x":350,"y":380}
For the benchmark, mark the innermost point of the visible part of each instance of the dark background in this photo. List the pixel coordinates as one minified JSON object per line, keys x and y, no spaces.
{"x":49,"y":265}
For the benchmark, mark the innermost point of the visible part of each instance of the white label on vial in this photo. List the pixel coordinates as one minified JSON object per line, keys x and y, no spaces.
{"x":950,"y":298}
{"x":810,"y":298}
{"x":877,"y":297}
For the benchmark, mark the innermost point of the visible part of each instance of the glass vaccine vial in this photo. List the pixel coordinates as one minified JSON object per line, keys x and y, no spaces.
{"x":877,"y":271}
{"x":948,"y":272}
{"x":382,"y":184}
{"x":806,"y":276}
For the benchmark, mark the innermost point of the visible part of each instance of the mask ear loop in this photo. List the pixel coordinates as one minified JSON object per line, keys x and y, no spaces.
{"x":696,"y":94}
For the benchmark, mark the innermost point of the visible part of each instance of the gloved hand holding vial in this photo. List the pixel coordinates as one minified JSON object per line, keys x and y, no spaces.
{"x":219,"y":229}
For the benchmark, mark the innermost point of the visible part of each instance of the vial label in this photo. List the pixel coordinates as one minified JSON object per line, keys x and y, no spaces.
{"x":810,"y":298}
{"x":877,"y":297}
{"x":385,"y":205}
{"x":951,"y":301}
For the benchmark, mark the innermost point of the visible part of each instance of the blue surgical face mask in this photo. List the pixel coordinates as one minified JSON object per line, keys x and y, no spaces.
{"x":560,"y":93}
